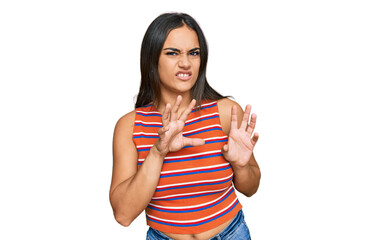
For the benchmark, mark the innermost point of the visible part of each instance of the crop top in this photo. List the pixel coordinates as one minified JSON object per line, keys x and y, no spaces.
{"x":195,"y":192}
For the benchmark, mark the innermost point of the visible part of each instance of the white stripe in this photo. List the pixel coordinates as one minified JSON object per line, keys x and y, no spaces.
{"x":188,"y":194}
{"x":204,"y":116}
{"x":195,"y":206}
{"x":193,"y":155}
{"x":202,"y":128}
{"x":148,"y":123}
{"x":147,"y":134}
{"x":147,"y":112}
{"x":208,"y":104}
{"x":189,"y":183}
{"x":144,"y":146}
{"x":196,"y":220}
{"x":194,"y":169}
{"x":215,"y":138}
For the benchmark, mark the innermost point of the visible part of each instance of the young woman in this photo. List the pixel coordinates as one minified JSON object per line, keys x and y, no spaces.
{"x":178,"y":153}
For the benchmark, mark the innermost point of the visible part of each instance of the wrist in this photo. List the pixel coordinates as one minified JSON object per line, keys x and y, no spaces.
{"x":157,"y":151}
{"x":237,"y":166}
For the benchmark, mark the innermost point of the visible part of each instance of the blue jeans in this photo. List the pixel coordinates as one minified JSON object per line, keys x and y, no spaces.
{"x":236,"y":230}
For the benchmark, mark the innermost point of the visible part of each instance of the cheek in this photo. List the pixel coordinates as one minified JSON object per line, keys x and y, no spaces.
{"x":165,"y":67}
{"x":162,"y":69}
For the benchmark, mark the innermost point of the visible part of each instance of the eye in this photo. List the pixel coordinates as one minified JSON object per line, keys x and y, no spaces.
{"x":194,"y":53}
{"x":171,"y":53}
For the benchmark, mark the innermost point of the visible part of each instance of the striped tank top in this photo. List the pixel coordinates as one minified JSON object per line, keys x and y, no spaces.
{"x":195,"y":191}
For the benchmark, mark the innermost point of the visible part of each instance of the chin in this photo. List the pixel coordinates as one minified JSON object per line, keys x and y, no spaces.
{"x":183,"y":89}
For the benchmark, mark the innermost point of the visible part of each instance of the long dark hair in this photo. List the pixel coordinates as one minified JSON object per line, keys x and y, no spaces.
{"x":152,"y":44}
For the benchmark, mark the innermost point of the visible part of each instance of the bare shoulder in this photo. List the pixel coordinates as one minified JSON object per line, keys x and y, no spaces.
{"x":124,"y":148}
{"x":227,"y":104}
{"x":224,"y":108}
{"x":126,"y":122}
{"x":123,"y":134}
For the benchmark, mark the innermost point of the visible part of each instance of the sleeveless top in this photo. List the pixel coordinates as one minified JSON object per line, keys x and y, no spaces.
{"x":195,"y":191}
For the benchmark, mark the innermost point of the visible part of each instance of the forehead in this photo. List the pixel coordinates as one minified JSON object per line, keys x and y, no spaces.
{"x":182,"y":38}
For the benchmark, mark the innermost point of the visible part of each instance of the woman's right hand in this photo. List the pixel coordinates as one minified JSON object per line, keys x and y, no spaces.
{"x":170,"y":135}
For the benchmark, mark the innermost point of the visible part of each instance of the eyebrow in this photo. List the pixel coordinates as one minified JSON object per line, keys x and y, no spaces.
{"x":177,"y":50}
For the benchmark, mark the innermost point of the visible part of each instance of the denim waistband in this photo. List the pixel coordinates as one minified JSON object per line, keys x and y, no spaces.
{"x":239,"y":218}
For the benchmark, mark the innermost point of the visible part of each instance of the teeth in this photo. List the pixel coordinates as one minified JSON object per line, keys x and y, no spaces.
{"x":183,"y":75}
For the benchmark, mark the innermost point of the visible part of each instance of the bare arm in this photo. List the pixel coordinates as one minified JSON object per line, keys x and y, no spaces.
{"x":239,"y":149}
{"x":131,"y":188}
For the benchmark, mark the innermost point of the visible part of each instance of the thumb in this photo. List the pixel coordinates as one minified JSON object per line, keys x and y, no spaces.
{"x":193,"y":142}
{"x":225,"y":148}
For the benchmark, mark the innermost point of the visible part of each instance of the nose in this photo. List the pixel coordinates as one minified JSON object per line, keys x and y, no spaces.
{"x":184,"y":61}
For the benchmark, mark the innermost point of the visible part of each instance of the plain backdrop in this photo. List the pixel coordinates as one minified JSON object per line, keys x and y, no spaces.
{"x":70,"y":69}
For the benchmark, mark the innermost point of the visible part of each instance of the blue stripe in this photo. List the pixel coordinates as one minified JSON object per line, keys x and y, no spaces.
{"x":192,"y":210}
{"x":149,"y":115}
{"x":195,"y":224}
{"x":186,"y":197}
{"x":194,"y":158}
{"x":190,"y":159}
{"x":197,"y":172}
{"x":190,"y":186}
{"x":144,"y":149}
{"x":200,"y":120}
{"x":145,"y":136}
{"x":147,"y":125}
{"x":214,"y":141}
{"x":213,"y":105}
{"x":206,"y":130}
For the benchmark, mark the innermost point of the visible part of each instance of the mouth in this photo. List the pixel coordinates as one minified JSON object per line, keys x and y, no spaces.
{"x":184,"y":75}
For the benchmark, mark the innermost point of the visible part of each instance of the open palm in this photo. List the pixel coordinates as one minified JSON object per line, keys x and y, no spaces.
{"x":170,"y":135}
{"x":240,"y":145}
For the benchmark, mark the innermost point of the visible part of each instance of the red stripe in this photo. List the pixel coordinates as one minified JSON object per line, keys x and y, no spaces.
{"x":195,"y":170}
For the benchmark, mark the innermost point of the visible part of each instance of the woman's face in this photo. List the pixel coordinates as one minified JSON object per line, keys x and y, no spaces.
{"x":179,"y":61}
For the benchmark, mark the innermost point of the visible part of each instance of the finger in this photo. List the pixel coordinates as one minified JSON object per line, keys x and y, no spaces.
{"x":188,"y":110}
{"x":245,"y":120}
{"x":252,"y":124}
{"x":174,"y":113}
{"x":163,"y":130}
{"x":193,"y":142}
{"x":166,"y":115}
{"x":234,"y":117}
{"x":254,"y":139}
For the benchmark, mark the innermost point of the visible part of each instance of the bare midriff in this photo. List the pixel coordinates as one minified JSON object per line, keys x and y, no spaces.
{"x":200,"y":236}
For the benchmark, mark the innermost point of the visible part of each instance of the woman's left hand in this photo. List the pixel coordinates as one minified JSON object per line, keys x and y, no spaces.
{"x":239,"y":148}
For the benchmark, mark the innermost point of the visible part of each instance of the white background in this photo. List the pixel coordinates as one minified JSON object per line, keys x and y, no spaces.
{"x":70,"y":69}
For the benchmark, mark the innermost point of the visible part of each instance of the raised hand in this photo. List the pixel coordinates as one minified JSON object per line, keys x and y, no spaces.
{"x":240,"y":145}
{"x":170,"y":135}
